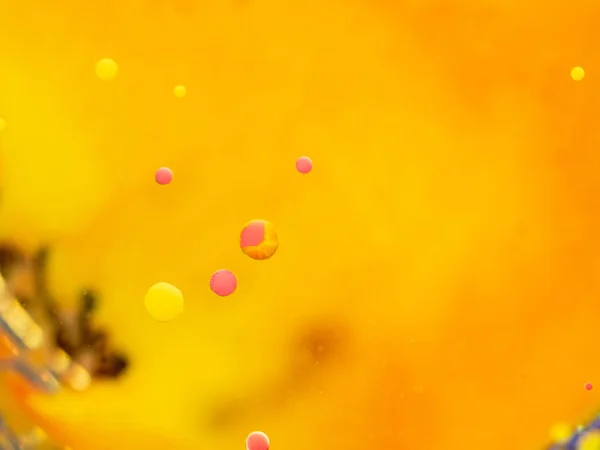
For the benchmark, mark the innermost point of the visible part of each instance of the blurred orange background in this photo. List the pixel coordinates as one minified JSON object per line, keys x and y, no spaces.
{"x":447,"y":237}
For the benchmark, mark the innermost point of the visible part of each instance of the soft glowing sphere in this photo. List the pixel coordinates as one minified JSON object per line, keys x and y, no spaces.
{"x":106,"y":69}
{"x":560,"y":433}
{"x":257,"y":440}
{"x":304,"y":165}
{"x":164,"y":302}
{"x":577,"y":73}
{"x":163,"y":176}
{"x":258,"y":239}
{"x":179,"y":91}
{"x":3,"y":124}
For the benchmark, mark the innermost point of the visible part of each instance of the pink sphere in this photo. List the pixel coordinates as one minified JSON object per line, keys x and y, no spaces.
{"x":164,"y":175}
{"x":588,"y":386}
{"x":223,"y":283}
{"x":304,"y":164}
{"x":257,"y":440}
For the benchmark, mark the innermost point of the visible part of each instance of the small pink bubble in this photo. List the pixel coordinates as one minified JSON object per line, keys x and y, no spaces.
{"x":304,"y":164}
{"x":164,"y":175}
{"x":588,"y":386}
{"x":223,"y":282}
{"x":257,"y":440}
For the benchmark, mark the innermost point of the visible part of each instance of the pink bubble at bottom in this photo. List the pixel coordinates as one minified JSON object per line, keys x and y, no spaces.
{"x":304,"y":164}
{"x":223,"y":282}
{"x":257,"y":440}
{"x":164,"y":175}
{"x":588,"y":386}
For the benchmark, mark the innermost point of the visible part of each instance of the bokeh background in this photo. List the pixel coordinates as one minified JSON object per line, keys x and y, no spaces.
{"x":444,"y":248}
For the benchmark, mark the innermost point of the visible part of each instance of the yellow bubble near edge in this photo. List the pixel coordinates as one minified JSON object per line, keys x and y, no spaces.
{"x":577,"y":73}
{"x":560,"y":433}
{"x":180,"y":91}
{"x":106,"y":69}
{"x":590,"y":441}
{"x":164,"y":302}
{"x":3,"y":124}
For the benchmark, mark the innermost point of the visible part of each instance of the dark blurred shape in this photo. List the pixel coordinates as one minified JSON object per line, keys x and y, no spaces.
{"x":112,"y":366}
{"x":66,"y":340}
{"x":98,"y":341}
{"x":89,"y":302}
{"x":319,"y":345}
{"x":75,"y":334}
{"x":10,"y":257}
{"x":320,"y":342}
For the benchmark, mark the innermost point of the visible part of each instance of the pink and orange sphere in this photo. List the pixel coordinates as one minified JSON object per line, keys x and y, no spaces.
{"x":258,"y":239}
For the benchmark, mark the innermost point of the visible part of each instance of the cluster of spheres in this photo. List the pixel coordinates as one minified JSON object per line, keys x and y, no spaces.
{"x":258,"y":240}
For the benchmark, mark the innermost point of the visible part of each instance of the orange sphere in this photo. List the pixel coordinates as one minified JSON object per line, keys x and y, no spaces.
{"x":258,"y":239}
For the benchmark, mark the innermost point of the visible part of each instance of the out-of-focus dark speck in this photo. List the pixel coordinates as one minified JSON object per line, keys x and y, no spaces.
{"x":318,"y":343}
{"x":226,"y":414}
{"x":89,"y":302}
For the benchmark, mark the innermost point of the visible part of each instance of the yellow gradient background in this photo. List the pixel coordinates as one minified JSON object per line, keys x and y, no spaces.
{"x":448,"y":231}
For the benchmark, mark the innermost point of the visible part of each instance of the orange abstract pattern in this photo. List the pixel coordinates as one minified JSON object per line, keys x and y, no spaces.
{"x":436,"y":284}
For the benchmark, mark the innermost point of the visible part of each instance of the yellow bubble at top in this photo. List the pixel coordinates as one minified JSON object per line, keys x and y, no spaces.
{"x":106,"y":69}
{"x":3,"y":124}
{"x":164,"y":302}
{"x":577,"y":73}
{"x":560,"y":433}
{"x":180,"y":91}
{"x":589,"y":441}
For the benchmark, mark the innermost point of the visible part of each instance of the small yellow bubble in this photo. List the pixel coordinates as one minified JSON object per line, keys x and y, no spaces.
{"x":577,"y":73}
{"x":560,"y":433}
{"x":106,"y":69}
{"x":3,"y":124}
{"x":180,"y":91}
{"x":164,"y":302}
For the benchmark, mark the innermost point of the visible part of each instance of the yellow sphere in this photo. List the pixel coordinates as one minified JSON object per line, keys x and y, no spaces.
{"x":258,"y":239}
{"x":560,"y":433}
{"x":164,"y":302}
{"x":106,"y":69}
{"x":180,"y":91}
{"x":3,"y":124}
{"x":577,"y":73}
{"x":589,"y":441}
